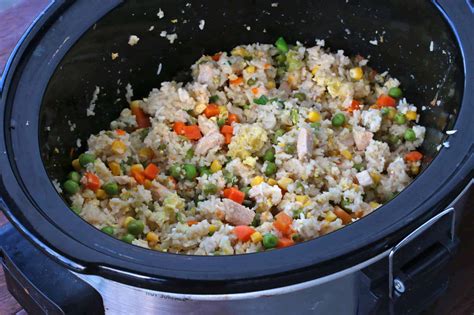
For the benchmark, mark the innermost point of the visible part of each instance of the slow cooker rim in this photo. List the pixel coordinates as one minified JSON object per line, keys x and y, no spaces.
{"x":78,"y":267}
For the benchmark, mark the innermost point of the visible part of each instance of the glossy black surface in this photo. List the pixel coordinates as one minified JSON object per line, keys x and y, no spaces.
{"x":53,"y":79}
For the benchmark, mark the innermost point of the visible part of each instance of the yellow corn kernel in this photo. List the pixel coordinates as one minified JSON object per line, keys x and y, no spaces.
{"x":307,"y":203}
{"x":118,"y":147}
{"x":136,"y":168}
{"x":414,"y":169}
{"x":127,"y":221}
{"x":314,"y":70}
{"x":314,"y":116}
{"x":215,"y":166}
{"x":134,"y":104}
{"x":375,"y":177}
{"x":115,"y":168}
{"x":145,"y":154}
{"x":272,"y":182}
{"x":309,"y":215}
{"x":147,"y":184}
{"x":250,"y":69}
{"x":212,"y":228}
{"x":256,"y":237}
{"x":346,"y":154}
{"x":330,"y":216}
{"x":411,"y":115}
{"x":223,"y":111}
{"x":270,"y":84}
{"x":77,"y":166}
{"x":152,"y":237}
{"x":240,"y":51}
{"x":374,"y":205}
{"x":302,"y":199}
{"x":199,"y":108}
{"x":292,"y":80}
{"x":100,"y":194}
{"x":356,"y":73}
{"x":257,"y":180}
{"x":284,"y":182}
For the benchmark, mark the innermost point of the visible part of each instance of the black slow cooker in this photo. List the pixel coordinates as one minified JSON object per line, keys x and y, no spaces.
{"x":388,"y":261}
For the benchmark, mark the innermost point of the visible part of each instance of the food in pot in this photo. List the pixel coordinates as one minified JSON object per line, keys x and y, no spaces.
{"x":267,"y":146}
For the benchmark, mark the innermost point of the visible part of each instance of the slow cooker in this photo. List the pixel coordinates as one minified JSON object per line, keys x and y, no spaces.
{"x":390,"y":261}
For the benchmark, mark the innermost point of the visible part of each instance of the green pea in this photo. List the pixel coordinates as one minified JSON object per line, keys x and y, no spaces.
{"x":135,"y":227}
{"x":395,"y":92}
{"x":76,"y":209}
{"x":345,"y":203}
{"x":385,"y":111}
{"x":280,"y":59}
{"x":190,"y":171}
{"x":281,"y":71}
{"x":295,"y":237}
{"x":270,"y":241}
{"x":210,"y":189}
{"x":189,"y":154}
{"x":409,"y":135}
{"x":358,"y":166}
{"x":251,"y":82}
{"x":278,"y":133}
{"x":300,"y":96}
{"x":128,"y":238}
{"x":269,"y":155}
{"x":270,"y":169}
{"x":71,"y":187}
{"x":338,"y":120}
{"x":86,"y":158}
{"x":399,"y":119}
{"x":213,"y":99}
{"x":74,"y":176}
{"x":204,"y":171}
{"x":294,"y":116}
{"x":393,"y":139}
{"x":108,"y":230}
{"x":246,"y":190}
{"x":290,"y":148}
{"x":220,"y":122}
{"x":315,"y":125}
{"x":281,"y":45}
{"x":262,"y":100}
{"x":175,"y":171}
{"x":111,"y":189}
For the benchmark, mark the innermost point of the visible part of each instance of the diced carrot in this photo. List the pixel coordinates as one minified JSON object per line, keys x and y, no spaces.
{"x":178,"y":127}
{"x":227,"y":129}
{"x":266,"y":66}
{"x":216,"y":57}
{"x":234,"y":194}
{"x":355,"y":105}
{"x":143,"y":120}
{"x":285,"y":242}
{"x":151,"y":171}
{"x":192,"y":222}
{"x":237,"y":81}
{"x":211,"y":110}
{"x":227,"y":138}
{"x":120,"y":132}
{"x":343,"y":215}
{"x":192,"y":132}
{"x":92,"y":182}
{"x":386,"y":101}
{"x":283,"y":223}
{"x":243,"y":232}
{"x":413,"y":156}
{"x":232,"y":118}
{"x":255,"y":90}
{"x":139,"y":176}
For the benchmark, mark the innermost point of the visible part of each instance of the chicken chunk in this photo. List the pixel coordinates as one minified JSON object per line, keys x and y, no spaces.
{"x":362,"y":137}
{"x":237,"y":214}
{"x":207,"y":126}
{"x":208,"y":142}
{"x":304,"y":144}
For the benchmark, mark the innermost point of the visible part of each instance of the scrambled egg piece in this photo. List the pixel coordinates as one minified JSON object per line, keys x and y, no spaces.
{"x":249,"y":139}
